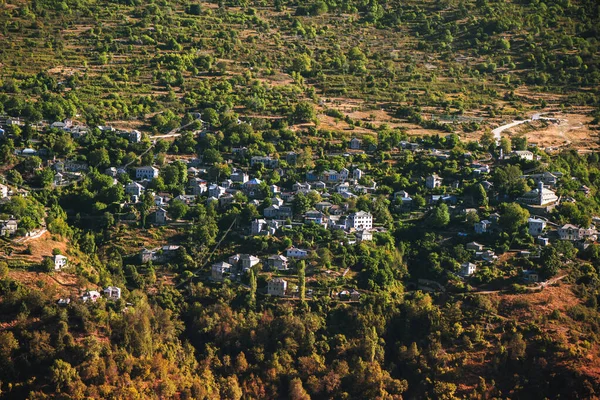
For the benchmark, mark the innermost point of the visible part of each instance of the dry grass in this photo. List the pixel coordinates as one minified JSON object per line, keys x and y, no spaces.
{"x":33,"y":251}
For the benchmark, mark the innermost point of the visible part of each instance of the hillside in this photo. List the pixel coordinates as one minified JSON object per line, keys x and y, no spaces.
{"x":118,"y":61}
{"x":325,"y":200}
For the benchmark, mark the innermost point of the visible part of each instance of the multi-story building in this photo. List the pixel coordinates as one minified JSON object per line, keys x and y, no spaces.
{"x":148,"y":172}
{"x":277,"y":287}
{"x":360,"y":220}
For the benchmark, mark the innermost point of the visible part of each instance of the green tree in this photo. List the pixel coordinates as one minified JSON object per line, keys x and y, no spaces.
{"x":99,"y":158}
{"x":177,"y":209}
{"x":487,"y":139}
{"x":62,"y":374}
{"x":13,"y":176}
{"x":302,"y":63}
{"x":145,"y":206}
{"x":3,"y":269}
{"x":480,"y":196}
{"x":512,"y":217}
{"x":439,"y":216}
{"x":303,"y":112}
{"x":550,"y":261}
{"x":253,"y":287}
{"x":301,"y":279}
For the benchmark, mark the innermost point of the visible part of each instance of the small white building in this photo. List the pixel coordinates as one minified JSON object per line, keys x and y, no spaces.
{"x":523,"y":154}
{"x":278,"y":262}
{"x":530,"y":276}
{"x":59,"y":178}
{"x":294,"y":252}
{"x":240,"y":177}
{"x":267,"y":161}
{"x":355,"y":144}
{"x":536,"y":226}
{"x":8,"y":227}
{"x":148,"y":172}
{"x":220,"y":271}
{"x":467,"y":269}
{"x":482,"y":226}
{"x":248,"y":261}
{"x":257,"y":226}
{"x":112,"y":293}
{"x":3,"y":191}
{"x":197,"y":186}
{"x":60,"y":262}
{"x":90,"y":295}
{"x":344,"y":174}
{"x":215,"y":190}
{"x":433,"y":181}
{"x":277,"y":287}
{"x":134,"y":189}
{"x":160,"y":217}
{"x":570,"y":232}
{"x":475,"y":246}
{"x":135,"y":136}
{"x":364,"y":235}
{"x":357,"y":174}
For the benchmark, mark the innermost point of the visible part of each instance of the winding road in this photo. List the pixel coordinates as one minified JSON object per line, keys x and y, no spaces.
{"x":496,"y":132}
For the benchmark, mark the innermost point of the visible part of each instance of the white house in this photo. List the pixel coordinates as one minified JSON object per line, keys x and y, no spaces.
{"x":294,"y":252}
{"x":523,"y":154}
{"x":344,"y":174}
{"x":271,"y":211}
{"x":197,"y":186}
{"x":277,"y":287}
{"x":258,"y":225}
{"x":433,"y":181}
{"x":364,"y":235}
{"x":530,"y":276}
{"x":135,"y":136}
{"x":267,"y":161}
{"x":60,"y":261}
{"x":342,"y":188}
{"x":8,"y":227}
{"x":240,"y":177}
{"x":486,"y":255}
{"x":536,"y":226}
{"x":148,"y":172}
{"x":278,"y":262}
{"x":315,"y":216}
{"x":59,"y":178}
{"x":570,"y":232}
{"x":215,"y":190}
{"x":331,"y":176}
{"x":3,"y":191}
{"x":90,"y":295}
{"x":355,"y":144}
{"x":360,"y":220}
{"x":467,"y":269}
{"x":357,"y":174}
{"x":248,"y":261}
{"x":220,"y":271}
{"x":160,"y":217}
{"x":475,"y":246}
{"x":134,"y":189}
{"x":112,"y":293}
{"x":482,"y":226}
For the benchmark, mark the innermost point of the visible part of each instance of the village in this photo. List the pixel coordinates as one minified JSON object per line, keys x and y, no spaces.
{"x":323,"y":197}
